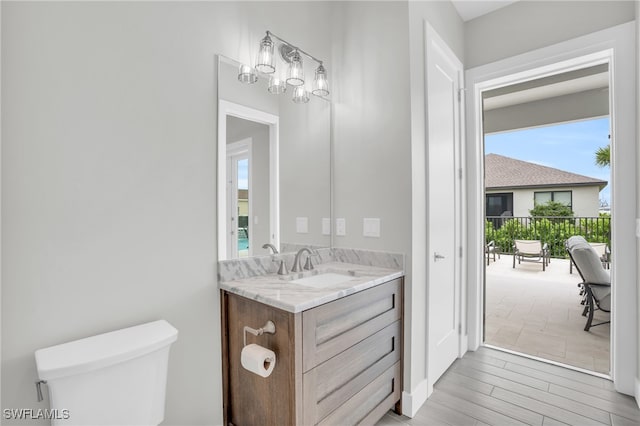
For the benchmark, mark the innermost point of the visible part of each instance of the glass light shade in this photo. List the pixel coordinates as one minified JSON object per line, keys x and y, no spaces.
{"x":320,"y":84}
{"x":247,"y":74}
{"x":265,"y":60}
{"x":300,"y":95}
{"x":296,"y":71}
{"x":277,"y":85}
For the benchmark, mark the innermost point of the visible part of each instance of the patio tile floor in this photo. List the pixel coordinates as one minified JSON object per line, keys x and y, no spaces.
{"x":539,"y":313}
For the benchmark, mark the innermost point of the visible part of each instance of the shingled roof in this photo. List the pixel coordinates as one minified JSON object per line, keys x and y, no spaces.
{"x":504,"y":172}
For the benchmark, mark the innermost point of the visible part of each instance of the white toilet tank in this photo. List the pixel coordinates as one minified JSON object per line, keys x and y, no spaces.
{"x":116,"y":378}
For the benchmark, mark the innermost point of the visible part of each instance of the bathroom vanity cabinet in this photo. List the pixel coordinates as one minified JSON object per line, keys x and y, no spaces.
{"x":337,"y":363}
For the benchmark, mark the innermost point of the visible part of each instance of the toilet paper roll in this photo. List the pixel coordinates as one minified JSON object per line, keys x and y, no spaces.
{"x":258,"y":360}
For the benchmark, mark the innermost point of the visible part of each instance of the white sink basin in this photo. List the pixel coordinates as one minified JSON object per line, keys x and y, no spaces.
{"x":323,"y":280}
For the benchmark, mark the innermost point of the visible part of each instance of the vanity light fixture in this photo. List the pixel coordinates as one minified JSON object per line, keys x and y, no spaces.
{"x":291,"y":55}
{"x":300,"y":95}
{"x":276,"y":85}
{"x":266,"y":59}
{"x":320,"y":85}
{"x":247,"y":74}
{"x":295,"y":76}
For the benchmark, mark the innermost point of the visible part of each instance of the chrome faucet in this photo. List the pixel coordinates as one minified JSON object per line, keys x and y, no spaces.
{"x":297,"y":266}
{"x":270,"y":246}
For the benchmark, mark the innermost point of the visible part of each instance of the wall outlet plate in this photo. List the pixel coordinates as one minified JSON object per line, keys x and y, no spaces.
{"x":371,"y":227}
{"x":326,"y":226}
{"x":302,"y":225}
{"x":341,"y":227}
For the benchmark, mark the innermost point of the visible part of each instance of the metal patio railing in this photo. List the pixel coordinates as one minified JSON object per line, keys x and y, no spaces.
{"x":553,"y":230}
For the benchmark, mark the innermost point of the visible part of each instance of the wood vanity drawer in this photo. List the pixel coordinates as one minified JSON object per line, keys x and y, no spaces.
{"x":342,"y":377}
{"x":369,"y":405}
{"x":334,"y":327}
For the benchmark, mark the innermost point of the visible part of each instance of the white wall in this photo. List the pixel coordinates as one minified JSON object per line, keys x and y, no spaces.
{"x":527,"y":25}
{"x":109,"y":177}
{"x":585,"y":200}
{"x":372,"y":152}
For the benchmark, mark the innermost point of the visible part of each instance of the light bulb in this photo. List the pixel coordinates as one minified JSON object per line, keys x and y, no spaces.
{"x":247,"y":74}
{"x":265,"y":60}
{"x":296,"y":71}
{"x":320,"y":84}
{"x":300,"y":95}
{"x":276,"y":85}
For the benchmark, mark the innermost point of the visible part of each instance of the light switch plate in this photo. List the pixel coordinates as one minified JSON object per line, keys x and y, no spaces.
{"x":341,"y":227}
{"x":326,"y":226}
{"x":302,"y":225}
{"x":371,"y":227}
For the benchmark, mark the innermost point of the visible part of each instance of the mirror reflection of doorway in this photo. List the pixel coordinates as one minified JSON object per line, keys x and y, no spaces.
{"x":239,"y":198}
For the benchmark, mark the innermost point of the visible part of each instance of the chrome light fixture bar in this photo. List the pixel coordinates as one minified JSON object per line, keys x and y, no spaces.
{"x":291,"y":54}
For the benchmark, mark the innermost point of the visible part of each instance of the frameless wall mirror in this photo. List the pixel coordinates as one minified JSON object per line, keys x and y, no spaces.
{"x":274,"y":169}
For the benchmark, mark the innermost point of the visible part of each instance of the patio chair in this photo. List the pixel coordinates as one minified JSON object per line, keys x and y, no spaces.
{"x":596,"y":280}
{"x":530,"y":251}
{"x":491,"y":249}
{"x":602,"y":249}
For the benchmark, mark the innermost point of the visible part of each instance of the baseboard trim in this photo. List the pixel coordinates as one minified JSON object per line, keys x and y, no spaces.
{"x":412,"y":401}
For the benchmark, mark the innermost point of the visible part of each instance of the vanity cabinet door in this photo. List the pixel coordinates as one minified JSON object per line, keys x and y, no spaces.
{"x":345,"y":376}
{"x":369,"y":405}
{"x":336,"y":326}
{"x":252,"y":400}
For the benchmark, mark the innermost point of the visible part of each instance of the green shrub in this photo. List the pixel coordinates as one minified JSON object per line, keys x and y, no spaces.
{"x":553,"y":231}
{"x":551,"y":208}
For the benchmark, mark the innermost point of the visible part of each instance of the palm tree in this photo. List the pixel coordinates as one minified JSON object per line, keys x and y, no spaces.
{"x":603,"y":156}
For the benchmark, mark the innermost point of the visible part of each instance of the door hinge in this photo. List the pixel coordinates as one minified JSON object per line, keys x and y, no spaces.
{"x":460,"y":251}
{"x":460,"y":92}
{"x":460,"y":173}
{"x":460,"y":328}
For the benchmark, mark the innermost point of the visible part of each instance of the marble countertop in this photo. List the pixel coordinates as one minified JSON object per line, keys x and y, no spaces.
{"x":280,"y":292}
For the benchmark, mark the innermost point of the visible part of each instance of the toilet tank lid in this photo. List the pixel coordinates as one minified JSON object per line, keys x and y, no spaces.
{"x":103,"y":350}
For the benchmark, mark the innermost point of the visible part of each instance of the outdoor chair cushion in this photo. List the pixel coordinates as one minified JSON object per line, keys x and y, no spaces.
{"x":588,"y":262}
{"x":590,"y":266}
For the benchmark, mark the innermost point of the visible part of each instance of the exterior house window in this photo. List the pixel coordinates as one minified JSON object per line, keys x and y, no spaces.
{"x":497,"y":204}
{"x":544,"y":197}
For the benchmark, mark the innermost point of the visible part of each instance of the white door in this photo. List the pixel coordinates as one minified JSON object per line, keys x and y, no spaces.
{"x":444,"y":73}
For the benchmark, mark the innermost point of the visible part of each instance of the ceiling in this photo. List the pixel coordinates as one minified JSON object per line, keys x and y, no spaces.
{"x":582,"y":80}
{"x":470,"y":9}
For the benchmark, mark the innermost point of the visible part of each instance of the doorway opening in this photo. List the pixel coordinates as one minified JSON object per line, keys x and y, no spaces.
{"x":613,"y":46}
{"x":543,"y":186}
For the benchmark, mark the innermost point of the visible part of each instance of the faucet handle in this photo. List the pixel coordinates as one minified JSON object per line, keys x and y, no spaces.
{"x":308,"y":265}
{"x":282,"y":269}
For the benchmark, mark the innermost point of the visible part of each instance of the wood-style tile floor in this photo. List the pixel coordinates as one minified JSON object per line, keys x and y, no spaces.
{"x":490,"y":387}
{"x":539,"y":313}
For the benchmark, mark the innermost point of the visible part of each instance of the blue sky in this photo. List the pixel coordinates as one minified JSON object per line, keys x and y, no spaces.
{"x":243,"y":174}
{"x":569,"y":147}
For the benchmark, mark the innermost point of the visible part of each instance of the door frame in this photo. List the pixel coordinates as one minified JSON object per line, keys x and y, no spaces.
{"x":236,"y":149}
{"x":227,"y":108}
{"x":616,"y":46}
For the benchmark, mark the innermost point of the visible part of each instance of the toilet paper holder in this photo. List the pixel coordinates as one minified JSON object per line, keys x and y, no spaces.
{"x":269,"y":327}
